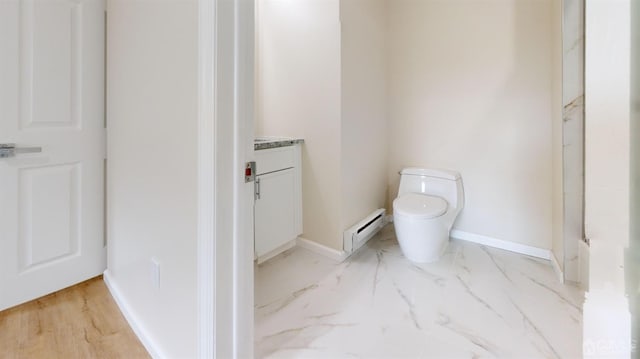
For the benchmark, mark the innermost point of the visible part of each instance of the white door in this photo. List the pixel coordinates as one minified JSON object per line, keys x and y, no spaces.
{"x":52,"y":97}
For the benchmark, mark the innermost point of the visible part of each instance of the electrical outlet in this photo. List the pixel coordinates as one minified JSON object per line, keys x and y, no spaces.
{"x":155,"y":273}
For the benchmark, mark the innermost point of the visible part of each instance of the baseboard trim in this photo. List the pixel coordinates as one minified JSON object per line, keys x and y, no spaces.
{"x":556,"y":268}
{"x":338,"y":256}
{"x":265,"y":257}
{"x":131,"y":318}
{"x":501,"y":244}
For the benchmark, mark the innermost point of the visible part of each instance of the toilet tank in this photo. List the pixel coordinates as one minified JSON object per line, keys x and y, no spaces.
{"x":442,"y":183}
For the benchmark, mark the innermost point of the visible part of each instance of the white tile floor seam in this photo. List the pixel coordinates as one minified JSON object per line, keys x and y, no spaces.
{"x":474,"y":302}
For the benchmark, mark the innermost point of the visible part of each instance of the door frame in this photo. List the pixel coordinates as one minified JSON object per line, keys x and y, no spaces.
{"x":225,"y":143}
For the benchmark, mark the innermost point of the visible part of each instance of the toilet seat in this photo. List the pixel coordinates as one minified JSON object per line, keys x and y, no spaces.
{"x":419,"y":206}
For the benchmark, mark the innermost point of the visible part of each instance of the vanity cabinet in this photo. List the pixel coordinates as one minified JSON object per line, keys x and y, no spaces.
{"x":278,"y":200}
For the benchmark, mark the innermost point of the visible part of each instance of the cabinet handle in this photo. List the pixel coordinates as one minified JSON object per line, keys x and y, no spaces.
{"x":257,"y":189}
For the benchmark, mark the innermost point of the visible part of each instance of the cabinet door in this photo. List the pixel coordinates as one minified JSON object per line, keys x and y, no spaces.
{"x":275,"y":214}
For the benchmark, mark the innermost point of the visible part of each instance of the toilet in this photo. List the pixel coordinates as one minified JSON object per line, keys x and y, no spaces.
{"x":427,"y":205}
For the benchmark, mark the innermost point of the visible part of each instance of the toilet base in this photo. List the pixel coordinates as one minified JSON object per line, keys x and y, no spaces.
{"x":421,"y":241}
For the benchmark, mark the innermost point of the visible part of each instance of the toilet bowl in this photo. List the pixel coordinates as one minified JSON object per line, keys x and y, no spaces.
{"x":427,"y":205}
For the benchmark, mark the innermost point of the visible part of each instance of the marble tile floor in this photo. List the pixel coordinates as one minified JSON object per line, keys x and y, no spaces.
{"x":476,"y":302}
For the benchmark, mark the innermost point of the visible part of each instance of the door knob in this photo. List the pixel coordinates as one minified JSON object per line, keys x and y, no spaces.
{"x":10,"y":150}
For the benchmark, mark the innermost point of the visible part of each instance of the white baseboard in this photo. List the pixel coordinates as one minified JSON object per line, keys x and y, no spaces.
{"x":501,"y":244}
{"x":556,"y":268}
{"x":388,"y":218}
{"x":338,"y":256}
{"x":131,"y":318}
{"x":275,"y":252}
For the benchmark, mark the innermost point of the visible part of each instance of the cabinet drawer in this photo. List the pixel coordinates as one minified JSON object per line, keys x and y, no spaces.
{"x":275,"y":159}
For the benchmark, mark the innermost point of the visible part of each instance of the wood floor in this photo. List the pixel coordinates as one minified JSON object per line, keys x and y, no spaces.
{"x":79,"y":322}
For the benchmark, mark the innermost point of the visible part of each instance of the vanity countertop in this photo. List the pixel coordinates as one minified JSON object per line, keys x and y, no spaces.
{"x":263,"y":143}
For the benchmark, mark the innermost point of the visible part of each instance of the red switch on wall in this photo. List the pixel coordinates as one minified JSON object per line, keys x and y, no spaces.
{"x":249,"y":172}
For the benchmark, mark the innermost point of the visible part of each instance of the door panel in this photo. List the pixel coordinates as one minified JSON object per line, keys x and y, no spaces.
{"x":50,"y":48}
{"x":275,"y":211}
{"x":48,"y":215}
{"x":51,"y":96}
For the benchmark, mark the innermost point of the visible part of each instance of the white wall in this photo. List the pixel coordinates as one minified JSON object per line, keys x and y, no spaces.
{"x":463,"y":77}
{"x":321,"y":68}
{"x":298,"y":95}
{"x":470,"y":90}
{"x":364,"y":108}
{"x":152,"y":172}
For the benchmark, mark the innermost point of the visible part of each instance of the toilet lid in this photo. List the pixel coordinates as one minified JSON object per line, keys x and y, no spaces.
{"x":418,"y":205}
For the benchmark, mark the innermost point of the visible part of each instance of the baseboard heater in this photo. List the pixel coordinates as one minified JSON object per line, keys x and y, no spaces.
{"x":356,"y":236}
